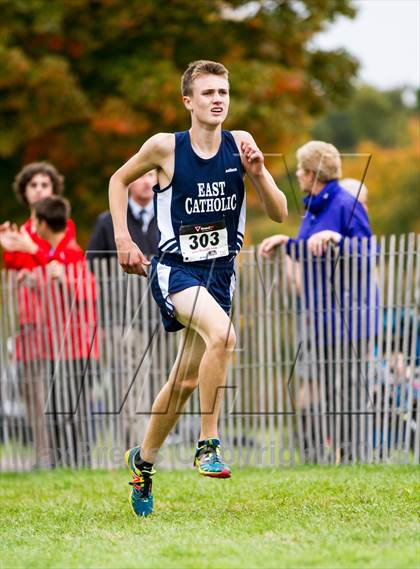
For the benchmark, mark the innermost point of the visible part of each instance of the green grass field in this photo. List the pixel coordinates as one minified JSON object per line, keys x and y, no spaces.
{"x":303,"y":517}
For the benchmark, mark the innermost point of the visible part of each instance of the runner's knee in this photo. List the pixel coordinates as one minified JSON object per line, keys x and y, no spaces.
{"x":223,"y":339}
{"x":185,"y":384}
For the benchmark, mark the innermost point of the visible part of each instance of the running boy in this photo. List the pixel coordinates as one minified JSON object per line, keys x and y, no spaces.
{"x":200,"y":209}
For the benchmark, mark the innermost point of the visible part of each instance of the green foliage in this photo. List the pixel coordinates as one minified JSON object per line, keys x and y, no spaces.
{"x":409,"y":190}
{"x":306,"y":517}
{"x":393,"y":181}
{"x":84,"y":82}
{"x":371,"y":114}
{"x":380,"y":124}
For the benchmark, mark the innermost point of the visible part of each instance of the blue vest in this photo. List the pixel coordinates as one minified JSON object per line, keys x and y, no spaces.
{"x":202,"y":191}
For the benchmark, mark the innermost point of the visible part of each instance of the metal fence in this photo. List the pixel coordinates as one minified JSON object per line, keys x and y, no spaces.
{"x":326,"y":368}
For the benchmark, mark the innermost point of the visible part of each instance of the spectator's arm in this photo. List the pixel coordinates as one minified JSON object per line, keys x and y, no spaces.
{"x":318,"y":242}
{"x":269,"y":245}
{"x":293,"y":245}
{"x":19,"y":246}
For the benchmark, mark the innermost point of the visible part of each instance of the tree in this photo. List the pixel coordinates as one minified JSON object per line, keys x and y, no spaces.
{"x":84,"y":82}
{"x":370,"y":114}
{"x":393,"y":181}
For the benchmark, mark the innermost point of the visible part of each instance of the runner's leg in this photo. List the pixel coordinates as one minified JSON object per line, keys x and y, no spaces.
{"x":171,"y":399}
{"x":195,"y":307}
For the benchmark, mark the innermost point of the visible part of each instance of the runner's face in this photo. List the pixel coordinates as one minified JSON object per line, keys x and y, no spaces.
{"x":209,"y":101}
{"x":39,"y":187}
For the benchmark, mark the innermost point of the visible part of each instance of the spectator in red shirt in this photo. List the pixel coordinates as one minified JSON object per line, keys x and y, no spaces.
{"x":50,"y":224}
{"x":24,"y":250}
{"x":67,"y":299}
{"x":57,"y":320}
{"x":65,"y":264}
{"x":34,"y":182}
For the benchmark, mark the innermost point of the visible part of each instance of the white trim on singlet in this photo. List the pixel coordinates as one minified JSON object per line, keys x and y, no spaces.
{"x":242,"y":218}
{"x":239,"y":245}
{"x":170,"y":247}
{"x":232,"y":286}
{"x":164,"y":219}
{"x":163,"y":272}
{"x":241,"y":226}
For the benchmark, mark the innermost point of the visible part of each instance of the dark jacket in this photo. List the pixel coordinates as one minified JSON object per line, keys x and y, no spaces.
{"x":102,"y":241}
{"x":102,"y":246}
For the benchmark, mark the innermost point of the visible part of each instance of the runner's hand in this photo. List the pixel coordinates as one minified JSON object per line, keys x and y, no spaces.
{"x":253,"y":158}
{"x":131,"y":258}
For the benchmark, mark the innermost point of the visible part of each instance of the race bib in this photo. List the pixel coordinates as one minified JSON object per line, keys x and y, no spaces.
{"x":203,"y":242}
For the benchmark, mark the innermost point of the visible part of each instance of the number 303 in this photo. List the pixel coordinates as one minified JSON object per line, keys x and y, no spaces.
{"x":203,"y":240}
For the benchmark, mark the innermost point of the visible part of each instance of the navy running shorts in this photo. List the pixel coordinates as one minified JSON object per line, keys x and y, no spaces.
{"x":169,"y":275}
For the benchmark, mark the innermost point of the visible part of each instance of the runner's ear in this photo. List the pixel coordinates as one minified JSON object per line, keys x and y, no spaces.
{"x":187,"y":103}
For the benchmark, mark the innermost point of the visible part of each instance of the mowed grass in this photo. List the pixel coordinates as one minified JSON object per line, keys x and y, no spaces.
{"x":303,"y":517}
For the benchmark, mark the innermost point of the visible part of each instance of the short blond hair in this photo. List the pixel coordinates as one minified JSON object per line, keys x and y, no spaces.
{"x":200,"y":67}
{"x":322,"y":158}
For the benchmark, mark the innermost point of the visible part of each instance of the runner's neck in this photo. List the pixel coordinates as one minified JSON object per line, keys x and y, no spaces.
{"x":206,"y":142}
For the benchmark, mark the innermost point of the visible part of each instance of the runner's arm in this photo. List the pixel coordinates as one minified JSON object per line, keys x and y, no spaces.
{"x":147,"y":158}
{"x":272,"y":198}
{"x":151,"y":155}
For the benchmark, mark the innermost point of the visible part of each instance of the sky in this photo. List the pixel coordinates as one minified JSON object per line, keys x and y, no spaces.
{"x":385,"y":38}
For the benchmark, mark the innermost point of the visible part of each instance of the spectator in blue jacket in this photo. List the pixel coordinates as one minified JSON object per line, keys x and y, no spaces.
{"x":331,"y":215}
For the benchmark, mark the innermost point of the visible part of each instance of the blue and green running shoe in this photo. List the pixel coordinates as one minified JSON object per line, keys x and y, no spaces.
{"x":141,"y":497}
{"x":208,"y":459}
